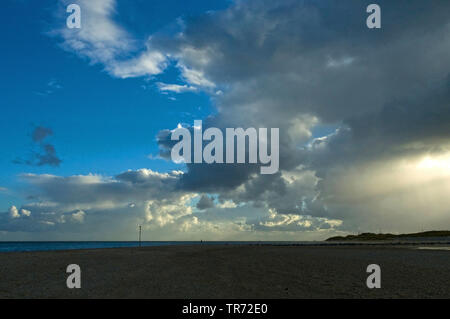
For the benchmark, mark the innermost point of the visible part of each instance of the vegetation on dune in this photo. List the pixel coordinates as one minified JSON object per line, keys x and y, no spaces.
{"x":372,"y":236}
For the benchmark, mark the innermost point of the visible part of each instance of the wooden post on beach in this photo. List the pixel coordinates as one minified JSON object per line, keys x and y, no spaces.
{"x":140,"y":235}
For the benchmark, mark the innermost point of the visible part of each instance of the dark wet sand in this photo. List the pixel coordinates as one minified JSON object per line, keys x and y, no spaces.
{"x":228,"y":272}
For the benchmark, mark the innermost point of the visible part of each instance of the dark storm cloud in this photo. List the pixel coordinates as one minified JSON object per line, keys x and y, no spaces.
{"x":165,"y":144}
{"x":199,"y":176}
{"x":299,"y":64}
{"x":205,"y":202}
{"x":287,"y":58}
{"x":402,"y":128}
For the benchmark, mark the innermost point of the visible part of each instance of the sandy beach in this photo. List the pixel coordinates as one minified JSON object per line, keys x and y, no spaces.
{"x":231,"y":271}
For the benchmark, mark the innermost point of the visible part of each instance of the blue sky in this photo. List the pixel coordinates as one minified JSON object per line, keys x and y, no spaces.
{"x":100,"y":124}
{"x":362,"y":113}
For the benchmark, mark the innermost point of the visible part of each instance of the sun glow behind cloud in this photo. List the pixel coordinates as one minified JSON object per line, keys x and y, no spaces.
{"x":388,"y":177}
{"x":440,"y":164}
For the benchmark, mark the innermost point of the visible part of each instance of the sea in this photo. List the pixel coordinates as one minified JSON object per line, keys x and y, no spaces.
{"x":24,"y":246}
{"x":72,"y":245}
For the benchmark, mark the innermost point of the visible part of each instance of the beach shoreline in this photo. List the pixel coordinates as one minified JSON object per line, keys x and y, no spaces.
{"x":41,"y":246}
{"x":228,"y":271}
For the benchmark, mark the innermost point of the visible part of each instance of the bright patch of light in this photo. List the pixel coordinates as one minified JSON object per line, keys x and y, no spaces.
{"x":432,"y":163}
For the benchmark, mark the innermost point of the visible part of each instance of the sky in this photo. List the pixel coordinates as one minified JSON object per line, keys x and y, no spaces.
{"x":87,"y":114}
